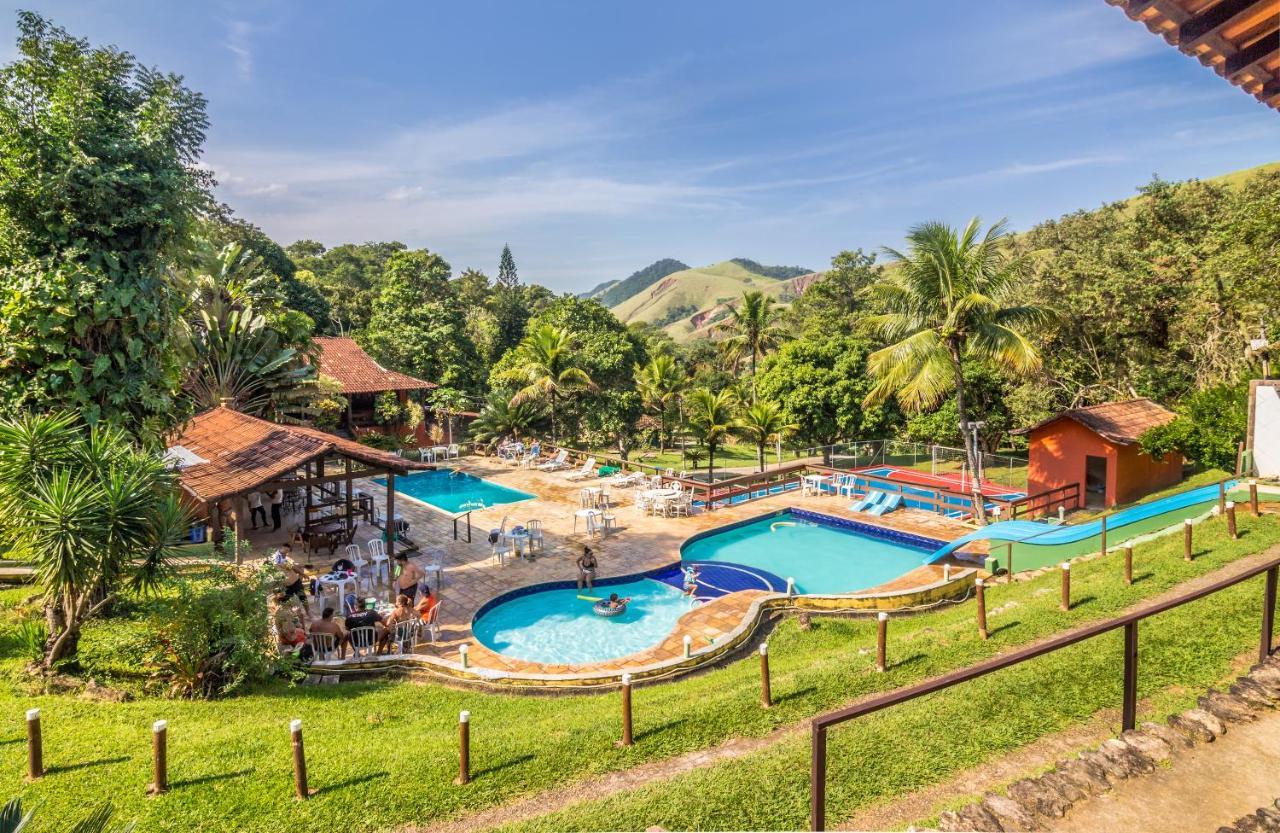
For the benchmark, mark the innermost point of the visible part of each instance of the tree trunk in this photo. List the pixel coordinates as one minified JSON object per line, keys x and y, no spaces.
{"x":979,"y":502}
{"x":711,"y":462}
{"x":662,"y":431}
{"x":553,"y":418}
{"x":760,"y":455}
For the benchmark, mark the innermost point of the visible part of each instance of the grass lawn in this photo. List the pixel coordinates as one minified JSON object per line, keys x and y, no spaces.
{"x":383,"y":752}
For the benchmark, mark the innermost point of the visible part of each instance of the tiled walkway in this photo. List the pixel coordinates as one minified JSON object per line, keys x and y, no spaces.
{"x":641,"y":543}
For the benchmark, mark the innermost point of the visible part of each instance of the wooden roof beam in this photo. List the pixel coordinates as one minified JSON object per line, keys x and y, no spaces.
{"x":1270,"y":92}
{"x":1256,"y":52}
{"x":1213,"y":20}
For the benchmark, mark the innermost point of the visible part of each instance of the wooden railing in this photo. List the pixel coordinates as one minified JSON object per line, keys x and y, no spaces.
{"x":1049,"y":500}
{"x":1129,"y":622}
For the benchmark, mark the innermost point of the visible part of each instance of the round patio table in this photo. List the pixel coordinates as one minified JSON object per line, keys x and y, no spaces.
{"x":339,"y":582}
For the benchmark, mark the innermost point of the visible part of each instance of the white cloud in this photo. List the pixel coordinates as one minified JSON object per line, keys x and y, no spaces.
{"x":237,"y":42}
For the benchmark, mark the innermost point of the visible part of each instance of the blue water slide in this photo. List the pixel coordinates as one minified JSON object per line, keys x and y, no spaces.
{"x":1046,"y":535}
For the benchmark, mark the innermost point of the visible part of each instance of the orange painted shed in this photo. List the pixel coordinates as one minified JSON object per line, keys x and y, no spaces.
{"x":1097,"y":448}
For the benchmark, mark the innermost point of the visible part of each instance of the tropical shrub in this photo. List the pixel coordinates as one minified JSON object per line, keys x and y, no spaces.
{"x":1208,"y":429}
{"x":387,"y":409}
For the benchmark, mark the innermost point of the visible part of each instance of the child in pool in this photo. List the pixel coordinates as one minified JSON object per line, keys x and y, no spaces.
{"x":691,"y":575}
{"x":615,"y":603}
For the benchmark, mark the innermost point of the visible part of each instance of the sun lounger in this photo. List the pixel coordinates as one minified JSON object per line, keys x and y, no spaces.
{"x":558,"y":462}
{"x":886,"y":506}
{"x":873,"y":497}
{"x":588,"y":470}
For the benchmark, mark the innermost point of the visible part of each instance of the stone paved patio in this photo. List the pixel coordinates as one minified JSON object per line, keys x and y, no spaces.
{"x":640,"y":542}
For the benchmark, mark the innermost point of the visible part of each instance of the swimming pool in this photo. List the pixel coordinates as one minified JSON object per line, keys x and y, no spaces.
{"x":823,"y":554}
{"x":555,"y":626}
{"x":455,"y":491}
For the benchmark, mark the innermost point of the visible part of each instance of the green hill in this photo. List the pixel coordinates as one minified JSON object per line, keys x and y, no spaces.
{"x":688,"y":302}
{"x":616,"y":292}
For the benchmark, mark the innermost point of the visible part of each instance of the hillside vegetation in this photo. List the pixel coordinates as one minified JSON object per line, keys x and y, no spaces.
{"x":616,"y":292}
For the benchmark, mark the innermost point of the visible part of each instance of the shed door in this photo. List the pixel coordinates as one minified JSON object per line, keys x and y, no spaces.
{"x":1095,"y":481}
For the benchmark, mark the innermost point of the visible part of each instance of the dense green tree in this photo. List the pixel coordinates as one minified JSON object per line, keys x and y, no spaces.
{"x":949,"y":301}
{"x":1209,"y":427}
{"x":712,"y":418}
{"x":348,"y":277}
{"x":99,"y":192}
{"x":660,"y":384}
{"x":761,"y":423}
{"x":821,"y":382}
{"x":224,"y":228}
{"x":839,"y":297}
{"x":508,"y":278}
{"x":545,"y":364}
{"x":752,"y":329}
{"x":418,"y":326}
{"x":90,"y":511}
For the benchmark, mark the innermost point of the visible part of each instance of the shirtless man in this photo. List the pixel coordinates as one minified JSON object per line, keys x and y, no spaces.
{"x":409,"y":576}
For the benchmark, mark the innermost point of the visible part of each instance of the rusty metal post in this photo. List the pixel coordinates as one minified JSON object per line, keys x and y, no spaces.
{"x":1128,"y":565}
{"x":160,"y":754}
{"x":1268,"y":613}
{"x":627,"y":737}
{"x":1129,"y":713}
{"x":882,"y":633}
{"x":1253,"y":498}
{"x":766,"y":694}
{"x":980,"y":590}
{"x":1186,"y":540}
{"x":1231,"y":520}
{"x":818,"y":780}
{"x":35,"y":746}
{"x":1066,"y":586}
{"x":301,"y":791}
{"x":464,"y":748}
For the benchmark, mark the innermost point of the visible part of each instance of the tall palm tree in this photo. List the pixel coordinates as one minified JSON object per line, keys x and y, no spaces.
{"x":660,"y":383}
{"x":753,"y":329}
{"x":762,"y":422}
{"x":545,"y":362}
{"x":710,"y":417}
{"x":949,"y":299}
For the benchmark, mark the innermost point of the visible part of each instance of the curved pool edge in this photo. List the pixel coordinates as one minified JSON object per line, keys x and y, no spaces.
{"x":959,"y":584}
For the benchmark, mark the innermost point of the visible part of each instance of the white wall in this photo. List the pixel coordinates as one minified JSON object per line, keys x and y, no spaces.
{"x":1266,"y":430}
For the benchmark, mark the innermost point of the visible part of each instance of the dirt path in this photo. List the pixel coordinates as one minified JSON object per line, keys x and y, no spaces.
{"x":896,"y":813}
{"x":1191,"y":795}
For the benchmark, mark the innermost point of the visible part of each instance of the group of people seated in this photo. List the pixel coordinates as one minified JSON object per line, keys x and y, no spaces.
{"x":294,"y":624}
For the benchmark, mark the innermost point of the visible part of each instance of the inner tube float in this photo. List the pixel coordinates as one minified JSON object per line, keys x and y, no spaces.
{"x":603,"y":608}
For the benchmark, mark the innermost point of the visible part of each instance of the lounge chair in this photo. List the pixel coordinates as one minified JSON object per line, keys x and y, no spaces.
{"x":886,"y":506}
{"x":558,"y":462}
{"x":873,"y":497}
{"x":588,"y":470}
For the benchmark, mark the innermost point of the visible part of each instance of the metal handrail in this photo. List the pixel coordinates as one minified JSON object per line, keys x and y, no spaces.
{"x":1128,"y":621}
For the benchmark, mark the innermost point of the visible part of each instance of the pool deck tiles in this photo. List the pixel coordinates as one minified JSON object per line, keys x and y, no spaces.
{"x":640,"y":543}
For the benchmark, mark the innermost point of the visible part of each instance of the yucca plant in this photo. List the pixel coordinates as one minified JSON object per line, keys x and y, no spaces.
{"x":13,"y":820}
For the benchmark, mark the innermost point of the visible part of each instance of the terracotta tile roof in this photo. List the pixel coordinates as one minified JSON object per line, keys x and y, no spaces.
{"x":241,"y":451}
{"x":344,"y":360}
{"x":1119,"y":422}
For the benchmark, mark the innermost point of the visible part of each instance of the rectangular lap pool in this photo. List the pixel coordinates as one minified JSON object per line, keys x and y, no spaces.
{"x":454,"y":491}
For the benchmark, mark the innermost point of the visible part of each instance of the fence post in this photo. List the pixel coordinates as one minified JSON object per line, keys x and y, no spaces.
{"x":1222,"y":497}
{"x":688,"y":646}
{"x":1268,"y":613}
{"x":1128,"y":565}
{"x":1104,"y":535}
{"x":818,"y":780}
{"x":979,"y":589}
{"x":300,"y":788}
{"x":160,"y":754}
{"x":1009,"y":566}
{"x":1253,"y":498}
{"x":464,"y":748}
{"x":766,"y":694}
{"x":1231,"y":520}
{"x":1186,"y":539}
{"x":627,"y":739}
{"x":882,"y":633}
{"x":1066,"y":586}
{"x":1129,"y":713}
{"x":35,"y":746}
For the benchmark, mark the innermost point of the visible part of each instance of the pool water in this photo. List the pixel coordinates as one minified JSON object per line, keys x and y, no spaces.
{"x":821,"y":558}
{"x":455,"y":491}
{"x":555,"y":626}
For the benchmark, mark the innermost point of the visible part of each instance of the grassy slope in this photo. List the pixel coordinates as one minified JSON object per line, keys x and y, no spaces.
{"x":383,"y":753}
{"x":701,"y":287}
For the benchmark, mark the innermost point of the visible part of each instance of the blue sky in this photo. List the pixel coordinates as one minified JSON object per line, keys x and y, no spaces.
{"x":598,"y":137}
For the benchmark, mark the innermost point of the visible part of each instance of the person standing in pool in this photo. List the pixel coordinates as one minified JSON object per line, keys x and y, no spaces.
{"x":587,"y":568}
{"x":691,"y":575}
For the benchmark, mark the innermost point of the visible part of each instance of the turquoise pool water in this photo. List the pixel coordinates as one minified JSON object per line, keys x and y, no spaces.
{"x":455,"y":491}
{"x":821,"y":558}
{"x":555,"y":626}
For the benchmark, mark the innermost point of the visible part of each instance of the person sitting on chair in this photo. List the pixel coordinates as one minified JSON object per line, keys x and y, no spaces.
{"x":327,"y":624}
{"x":427,"y":604}
{"x":403,"y":612}
{"x":368,"y":617}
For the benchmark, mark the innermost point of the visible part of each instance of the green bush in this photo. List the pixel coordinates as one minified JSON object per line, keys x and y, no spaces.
{"x":378,"y":440}
{"x":1208,"y":429}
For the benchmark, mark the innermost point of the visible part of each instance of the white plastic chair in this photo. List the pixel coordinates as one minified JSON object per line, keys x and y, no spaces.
{"x":454,"y":452}
{"x":356,"y":556}
{"x":500,"y":549}
{"x":595,"y":526}
{"x":405,"y":636}
{"x":432,"y":625}
{"x":323,"y":645}
{"x":378,"y":555}
{"x":536,"y":541}
{"x":364,"y":641}
{"x":435,"y":565}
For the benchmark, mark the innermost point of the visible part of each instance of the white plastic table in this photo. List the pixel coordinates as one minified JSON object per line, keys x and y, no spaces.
{"x":519,"y":540}
{"x":584,"y":513}
{"x":339,"y":582}
{"x":814,"y":482}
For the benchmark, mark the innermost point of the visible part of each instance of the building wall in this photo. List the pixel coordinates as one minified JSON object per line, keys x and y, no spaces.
{"x":1057,"y":453}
